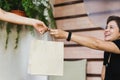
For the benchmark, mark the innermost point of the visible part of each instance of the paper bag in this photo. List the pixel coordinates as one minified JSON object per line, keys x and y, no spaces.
{"x":46,"y":58}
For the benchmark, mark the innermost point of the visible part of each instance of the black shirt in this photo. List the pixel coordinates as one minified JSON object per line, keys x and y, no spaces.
{"x":112,"y":66}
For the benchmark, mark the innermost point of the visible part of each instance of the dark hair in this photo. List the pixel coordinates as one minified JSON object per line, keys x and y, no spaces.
{"x":116,"y":19}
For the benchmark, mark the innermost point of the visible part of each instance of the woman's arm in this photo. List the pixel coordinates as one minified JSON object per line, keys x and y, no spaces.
{"x":87,"y":41}
{"x":103,"y":73}
{"x":13,"y":18}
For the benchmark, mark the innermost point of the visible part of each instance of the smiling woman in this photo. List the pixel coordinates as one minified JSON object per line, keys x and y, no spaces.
{"x":111,"y":46}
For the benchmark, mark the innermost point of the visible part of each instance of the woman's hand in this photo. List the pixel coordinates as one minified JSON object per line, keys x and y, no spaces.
{"x":58,"y":33}
{"x":39,"y":26}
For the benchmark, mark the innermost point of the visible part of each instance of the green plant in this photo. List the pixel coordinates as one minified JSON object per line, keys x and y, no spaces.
{"x":40,"y":9}
{"x":9,"y":5}
{"x":5,"y":5}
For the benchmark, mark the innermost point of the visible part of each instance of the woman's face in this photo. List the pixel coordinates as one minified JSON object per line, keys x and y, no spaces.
{"x":112,"y":31}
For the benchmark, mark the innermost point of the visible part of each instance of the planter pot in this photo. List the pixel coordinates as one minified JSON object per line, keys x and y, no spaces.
{"x":18,"y":12}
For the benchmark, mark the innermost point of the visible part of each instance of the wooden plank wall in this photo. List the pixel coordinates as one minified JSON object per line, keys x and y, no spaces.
{"x":71,"y":15}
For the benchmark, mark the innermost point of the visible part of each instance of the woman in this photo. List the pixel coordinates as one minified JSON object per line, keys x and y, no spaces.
{"x":13,"y":18}
{"x":110,"y":44}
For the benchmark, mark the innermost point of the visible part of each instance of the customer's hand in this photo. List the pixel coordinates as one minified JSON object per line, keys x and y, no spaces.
{"x":39,"y":26}
{"x":58,"y":33}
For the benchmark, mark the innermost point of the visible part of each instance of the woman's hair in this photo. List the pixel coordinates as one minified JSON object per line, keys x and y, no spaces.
{"x":114,"y":18}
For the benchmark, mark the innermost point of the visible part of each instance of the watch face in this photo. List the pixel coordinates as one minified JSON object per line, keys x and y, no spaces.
{"x":99,"y":10}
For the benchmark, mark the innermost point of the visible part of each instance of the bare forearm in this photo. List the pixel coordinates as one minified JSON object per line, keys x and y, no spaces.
{"x":87,"y":41}
{"x":13,"y":18}
{"x":10,"y":17}
{"x":95,"y":43}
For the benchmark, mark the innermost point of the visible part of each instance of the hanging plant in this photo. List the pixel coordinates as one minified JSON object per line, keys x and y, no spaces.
{"x":40,"y":9}
{"x":8,"y":31}
{"x":12,"y":5}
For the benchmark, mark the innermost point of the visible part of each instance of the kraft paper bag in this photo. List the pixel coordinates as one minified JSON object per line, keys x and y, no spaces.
{"x":46,"y":58}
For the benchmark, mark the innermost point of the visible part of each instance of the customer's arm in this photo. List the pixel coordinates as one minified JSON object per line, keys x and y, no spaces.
{"x":87,"y":41}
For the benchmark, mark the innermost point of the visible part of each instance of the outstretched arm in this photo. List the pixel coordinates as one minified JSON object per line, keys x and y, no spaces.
{"x":13,"y":18}
{"x":87,"y":41}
